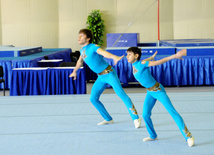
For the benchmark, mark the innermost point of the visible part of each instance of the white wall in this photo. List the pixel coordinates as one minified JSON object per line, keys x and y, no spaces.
{"x":56,"y":23}
{"x":0,"y":26}
{"x":142,"y":21}
{"x":73,"y":16}
{"x":29,"y":22}
{"x":193,"y":19}
{"x":166,"y":20}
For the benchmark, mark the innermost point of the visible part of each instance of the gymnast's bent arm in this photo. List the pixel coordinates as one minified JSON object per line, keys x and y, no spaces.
{"x":108,"y":55}
{"x":78,"y":65}
{"x":151,"y":58}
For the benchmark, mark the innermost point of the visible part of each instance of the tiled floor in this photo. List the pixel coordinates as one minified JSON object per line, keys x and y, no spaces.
{"x":66,"y":125}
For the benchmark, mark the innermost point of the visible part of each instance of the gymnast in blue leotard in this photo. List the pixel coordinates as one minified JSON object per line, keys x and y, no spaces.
{"x":155,"y":91}
{"x":93,"y":55}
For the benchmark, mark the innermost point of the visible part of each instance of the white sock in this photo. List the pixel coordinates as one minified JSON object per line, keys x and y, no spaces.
{"x":149,"y":139}
{"x":137,"y":123}
{"x":106,"y":122}
{"x":191,"y":141}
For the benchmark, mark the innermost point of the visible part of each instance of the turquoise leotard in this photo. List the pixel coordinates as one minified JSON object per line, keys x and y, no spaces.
{"x":143,"y":75}
{"x":97,"y":64}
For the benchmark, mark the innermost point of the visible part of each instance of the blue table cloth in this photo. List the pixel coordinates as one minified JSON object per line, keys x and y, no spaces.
{"x":47,"y":81}
{"x":195,"y":70}
{"x":60,"y":83}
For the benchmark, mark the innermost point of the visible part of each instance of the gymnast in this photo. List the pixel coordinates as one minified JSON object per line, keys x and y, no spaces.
{"x":155,"y":91}
{"x":93,"y":55}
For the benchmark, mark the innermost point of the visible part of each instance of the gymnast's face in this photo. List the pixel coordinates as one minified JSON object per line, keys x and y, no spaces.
{"x":82,"y":39}
{"x":131,"y":57}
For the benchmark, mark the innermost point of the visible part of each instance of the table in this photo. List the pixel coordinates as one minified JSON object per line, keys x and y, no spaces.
{"x":9,"y":63}
{"x":47,"y":81}
{"x":50,"y":63}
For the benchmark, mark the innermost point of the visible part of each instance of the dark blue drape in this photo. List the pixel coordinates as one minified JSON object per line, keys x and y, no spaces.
{"x":60,"y":83}
{"x":51,"y":81}
{"x":190,"y":71}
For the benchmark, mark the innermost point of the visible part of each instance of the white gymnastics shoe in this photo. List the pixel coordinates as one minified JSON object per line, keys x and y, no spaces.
{"x":106,"y":122}
{"x":191,"y":141}
{"x":149,"y":139}
{"x":137,"y":123}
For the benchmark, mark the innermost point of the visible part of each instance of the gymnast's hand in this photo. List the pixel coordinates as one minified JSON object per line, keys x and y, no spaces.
{"x":153,"y":56}
{"x":181,"y":53}
{"x":116,"y":59}
{"x":74,"y":75}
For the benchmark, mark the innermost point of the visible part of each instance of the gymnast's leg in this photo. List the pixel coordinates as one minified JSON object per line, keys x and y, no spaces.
{"x":147,"y":112}
{"x":114,"y":81}
{"x":96,"y":91}
{"x":164,"y":99}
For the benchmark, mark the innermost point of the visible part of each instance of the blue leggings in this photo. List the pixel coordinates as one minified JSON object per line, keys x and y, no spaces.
{"x":149,"y":103}
{"x":100,"y":85}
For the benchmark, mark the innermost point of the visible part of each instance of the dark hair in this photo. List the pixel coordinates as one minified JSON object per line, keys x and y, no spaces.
{"x":88,"y":34}
{"x":135,"y":50}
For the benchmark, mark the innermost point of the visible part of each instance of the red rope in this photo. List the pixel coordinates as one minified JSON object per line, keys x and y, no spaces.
{"x":158,"y":23}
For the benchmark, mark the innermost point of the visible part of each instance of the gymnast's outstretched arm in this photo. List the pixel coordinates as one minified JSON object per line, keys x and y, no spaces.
{"x":109,"y":55}
{"x":174,"y":56}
